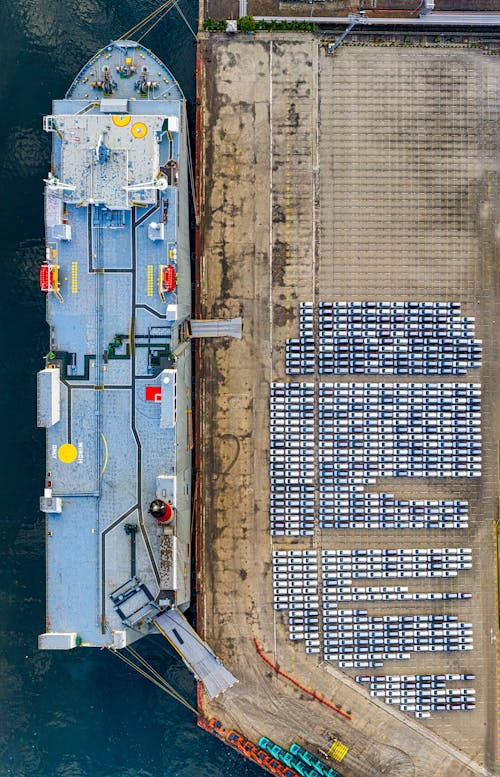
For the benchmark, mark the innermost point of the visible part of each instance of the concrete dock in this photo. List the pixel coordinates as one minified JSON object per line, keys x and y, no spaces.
{"x":368,"y":175}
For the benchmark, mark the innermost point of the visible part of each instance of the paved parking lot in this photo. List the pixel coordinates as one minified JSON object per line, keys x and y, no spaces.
{"x":364,"y":176}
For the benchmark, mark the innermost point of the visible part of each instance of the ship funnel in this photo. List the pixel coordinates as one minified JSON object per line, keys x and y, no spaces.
{"x":161,"y":511}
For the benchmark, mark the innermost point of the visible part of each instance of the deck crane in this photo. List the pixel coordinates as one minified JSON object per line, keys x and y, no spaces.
{"x":157,"y":183}
{"x":55,"y":184}
{"x":353,"y":20}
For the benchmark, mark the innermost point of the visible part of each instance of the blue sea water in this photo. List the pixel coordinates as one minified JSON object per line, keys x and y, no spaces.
{"x":81,"y":713}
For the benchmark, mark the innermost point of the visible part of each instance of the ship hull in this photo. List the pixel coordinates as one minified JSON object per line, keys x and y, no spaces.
{"x":115,"y":393}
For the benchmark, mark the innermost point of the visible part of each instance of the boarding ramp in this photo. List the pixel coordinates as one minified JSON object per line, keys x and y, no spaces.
{"x":353,"y":20}
{"x":197,"y":656}
{"x":230,"y":327}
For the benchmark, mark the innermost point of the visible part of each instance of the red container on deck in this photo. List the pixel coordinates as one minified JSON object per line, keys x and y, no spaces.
{"x":169,"y":277}
{"x":45,"y":277}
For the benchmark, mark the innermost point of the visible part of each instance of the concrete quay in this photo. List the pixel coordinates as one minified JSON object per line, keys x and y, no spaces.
{"x":370,"y":175}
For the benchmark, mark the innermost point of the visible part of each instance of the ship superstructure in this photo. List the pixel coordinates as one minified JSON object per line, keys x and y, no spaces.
{"x":114,"y":395}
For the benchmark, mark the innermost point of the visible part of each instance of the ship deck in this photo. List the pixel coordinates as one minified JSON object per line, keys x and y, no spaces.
{"x":304,"y":198}
{"x":117,"y":337}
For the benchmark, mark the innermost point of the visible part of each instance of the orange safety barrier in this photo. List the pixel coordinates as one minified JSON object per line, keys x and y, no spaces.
{"x":313,"y":694}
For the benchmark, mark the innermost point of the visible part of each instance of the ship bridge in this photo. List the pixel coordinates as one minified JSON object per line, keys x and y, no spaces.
{"x":110,"y":159}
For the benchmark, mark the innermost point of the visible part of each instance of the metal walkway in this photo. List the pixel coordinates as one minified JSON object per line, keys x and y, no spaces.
{"x":197,"y":656}
{"x":476,"y":19}
{"x":230,"y":327}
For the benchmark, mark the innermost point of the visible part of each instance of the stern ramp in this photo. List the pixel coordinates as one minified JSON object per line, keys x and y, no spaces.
{"x":195,"y":653}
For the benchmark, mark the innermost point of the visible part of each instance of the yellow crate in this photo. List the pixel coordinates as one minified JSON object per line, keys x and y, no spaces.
{"x":337,"y":751}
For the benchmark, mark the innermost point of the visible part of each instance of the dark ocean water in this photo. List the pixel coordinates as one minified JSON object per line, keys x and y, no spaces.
{"x":81,"y":713}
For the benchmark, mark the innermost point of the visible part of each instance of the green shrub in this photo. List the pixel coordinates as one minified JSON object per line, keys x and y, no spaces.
{"x":247,"y":24}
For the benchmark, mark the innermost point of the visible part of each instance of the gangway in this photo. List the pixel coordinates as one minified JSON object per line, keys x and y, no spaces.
{"x":230,"y":327}
{"x":195,"y":653}
{"x":353,"y":20}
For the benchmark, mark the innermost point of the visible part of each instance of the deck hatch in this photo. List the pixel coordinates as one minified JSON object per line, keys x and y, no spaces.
{"x":114,"y":106}
{"x":48,"y":397}
{"x":168,"y":399}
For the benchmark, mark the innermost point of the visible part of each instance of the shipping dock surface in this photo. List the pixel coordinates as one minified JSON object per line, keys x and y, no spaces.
{"x":369,"y":175}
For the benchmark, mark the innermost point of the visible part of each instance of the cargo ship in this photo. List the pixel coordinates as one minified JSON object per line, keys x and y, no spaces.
{"x":114,"y":395}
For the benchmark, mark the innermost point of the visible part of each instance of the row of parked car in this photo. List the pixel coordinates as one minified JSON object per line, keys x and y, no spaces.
{"x":338,"y":567}
{"x":348,"y":506}
{"x":351,"y":635}
{"x":328,"y":521}
{"x":422,"y":336}
{"x":341,"y":352}
{"x":354,"y":388}
{"x":410,"y":680}
{"x":366,"y":430}
{"x":391,"y":552}
{"x":361,"y":553}
{"x":389,"y":595}
{"x":391,"y":305}
{"x":422,"y":694}
{"x":367,"y":639}
{"x":384,"y":338}
{"x":418,"y":331}
{"x":292,"y":460}
{"x":394,"y":315}
{"x":300,"y":357}
{"x":362,"y":455}
{"x":369,"y":396}
{"x":355,"y":363}
{"x":295,"y":587}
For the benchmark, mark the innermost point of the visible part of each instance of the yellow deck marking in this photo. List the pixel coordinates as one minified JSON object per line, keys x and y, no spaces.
{"x":139,"y":130}
{"x":67,"y":453}
{"x":121,"y":121}
{"x":106,"y":454}
{"x":74,"y":277}
{"x":150,"y":280}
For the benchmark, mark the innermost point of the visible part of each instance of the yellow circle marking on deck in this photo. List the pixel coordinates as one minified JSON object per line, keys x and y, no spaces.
{"x":121,"y":121}
{"x":67,"y":453}
{"x":139,"y":130}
